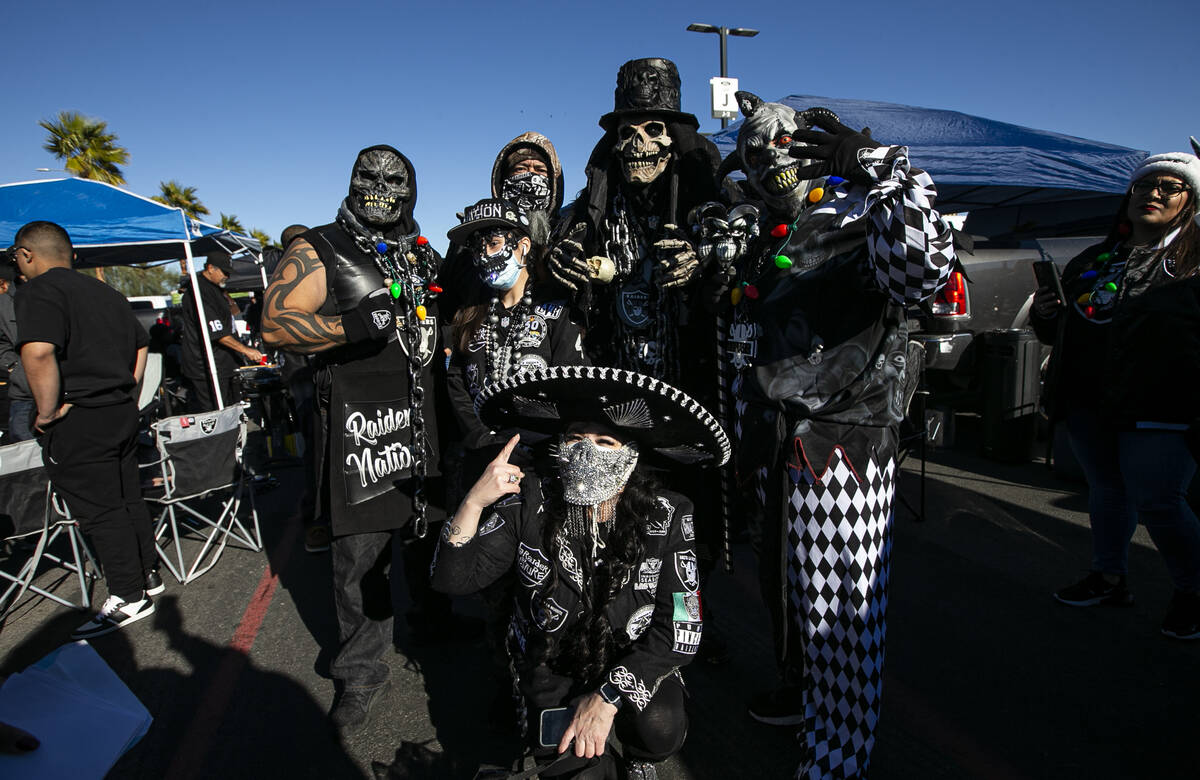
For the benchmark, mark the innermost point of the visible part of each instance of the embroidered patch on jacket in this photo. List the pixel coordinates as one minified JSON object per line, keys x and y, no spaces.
{"x":687,"y":637}
{"x":687,"y":607}
{"x":639,"y":621}
{"x":688,"y":527}
{"x":547,"y":613}
{"x":492,"y":523}
{"x":532,"y":564}
{"x":634,"y":689}
{"x":687,"y":569}
{"x":648,"y":575}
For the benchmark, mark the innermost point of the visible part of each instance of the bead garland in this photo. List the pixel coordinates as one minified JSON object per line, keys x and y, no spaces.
{"x":501,"y":353}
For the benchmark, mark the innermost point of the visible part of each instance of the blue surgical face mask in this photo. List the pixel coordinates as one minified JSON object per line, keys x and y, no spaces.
{"x":499,"y":270}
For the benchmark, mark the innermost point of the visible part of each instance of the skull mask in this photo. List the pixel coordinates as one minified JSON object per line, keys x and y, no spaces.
{"x":380,"y":188}
{"x":763,"y":144}
{"x":644,"y":149}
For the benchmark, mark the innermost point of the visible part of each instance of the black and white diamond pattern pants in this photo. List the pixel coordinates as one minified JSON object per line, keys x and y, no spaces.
{"x":839,"y":538}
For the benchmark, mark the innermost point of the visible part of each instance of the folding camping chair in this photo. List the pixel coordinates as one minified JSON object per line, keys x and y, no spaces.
{"x":914,"y":428}
{"x":200,"y":456}
{"x":32,"y":520}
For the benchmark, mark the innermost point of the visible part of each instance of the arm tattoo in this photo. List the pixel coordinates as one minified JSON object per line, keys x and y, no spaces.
{"x":285,"y":325}
{"x":453,"y":530}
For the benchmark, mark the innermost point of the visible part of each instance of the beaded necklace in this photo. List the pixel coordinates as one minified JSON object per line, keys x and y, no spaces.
{"x":503,"y":335}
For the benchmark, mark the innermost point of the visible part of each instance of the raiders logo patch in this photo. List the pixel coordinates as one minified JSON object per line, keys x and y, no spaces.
{"x":658,"y":526}
{"x":639,"y":621}
{"x":687,"y":569}
{"x":381,"y":318}
{"x":547,"y":613}
{"x":687,"y":607}
{"x":208,"y":424}
{"x":533,"y":566}
{"x":687,"y":637}
{"x":688,"y":527}
{"x":647,"y":578}
{"x":632,"y":306}
{"x":493,"y":522}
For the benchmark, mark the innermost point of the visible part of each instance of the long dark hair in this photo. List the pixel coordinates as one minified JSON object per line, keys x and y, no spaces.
{"x":470,"y":316}
{"x":1184,"y":250}
{"x":587,"y":648}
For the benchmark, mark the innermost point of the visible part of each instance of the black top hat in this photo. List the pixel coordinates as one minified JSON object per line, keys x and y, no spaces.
{"x":664,"y":420}
{"x":489,"y":212}
{"x":650,"y":87}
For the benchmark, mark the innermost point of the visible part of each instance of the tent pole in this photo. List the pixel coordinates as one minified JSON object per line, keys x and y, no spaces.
{"x":204,"y":340}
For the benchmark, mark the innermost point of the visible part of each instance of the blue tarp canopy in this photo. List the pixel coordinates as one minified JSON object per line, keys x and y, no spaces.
{"x":112,"y":226}
{"x":1014,"y":180}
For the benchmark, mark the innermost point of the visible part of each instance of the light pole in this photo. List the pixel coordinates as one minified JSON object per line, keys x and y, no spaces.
{"x":724,"y":32}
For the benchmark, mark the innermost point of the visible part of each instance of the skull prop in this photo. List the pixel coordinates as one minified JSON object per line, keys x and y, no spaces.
{"x":644,"y":148}
{"x":380,"y":188}
{"x":763,"y":144}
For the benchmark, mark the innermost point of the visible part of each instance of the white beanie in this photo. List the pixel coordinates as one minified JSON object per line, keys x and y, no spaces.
{"x":1181,"y":165}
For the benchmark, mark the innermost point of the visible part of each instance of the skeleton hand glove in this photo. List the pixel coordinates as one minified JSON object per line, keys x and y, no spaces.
{"x":832,"y":153}
{"x":373,"y":318}
{"x":677,"y":261}
{"x":567,"y":263}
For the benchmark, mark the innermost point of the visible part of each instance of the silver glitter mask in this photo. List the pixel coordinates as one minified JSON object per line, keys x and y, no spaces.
{"x":592,"y":474}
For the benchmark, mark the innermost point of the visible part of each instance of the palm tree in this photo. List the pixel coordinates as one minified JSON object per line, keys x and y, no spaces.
{"x":86,"y":146}
{"x":261,"y":237}
{"x":174,"y":194}
{"x":232,"y":223}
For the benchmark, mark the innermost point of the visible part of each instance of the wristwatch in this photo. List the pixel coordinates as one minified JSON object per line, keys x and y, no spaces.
{"x":610,"y":694}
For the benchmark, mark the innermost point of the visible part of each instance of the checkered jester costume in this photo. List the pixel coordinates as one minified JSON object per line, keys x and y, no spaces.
{"x":818,"y":352}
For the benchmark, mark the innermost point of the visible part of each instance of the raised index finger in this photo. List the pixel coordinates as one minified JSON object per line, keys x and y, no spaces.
{"x":508,"y":448}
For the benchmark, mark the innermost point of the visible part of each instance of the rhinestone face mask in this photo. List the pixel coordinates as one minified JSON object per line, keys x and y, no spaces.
{"x":592,"y":474}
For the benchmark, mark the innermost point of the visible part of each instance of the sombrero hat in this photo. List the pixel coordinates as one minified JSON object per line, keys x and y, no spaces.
{"x":664,"y":420}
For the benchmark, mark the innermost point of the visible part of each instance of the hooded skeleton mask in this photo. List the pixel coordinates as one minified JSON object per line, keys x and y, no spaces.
{"x":644,"y":149}
{"x":380,"y":188}
{"x":763,"y":144}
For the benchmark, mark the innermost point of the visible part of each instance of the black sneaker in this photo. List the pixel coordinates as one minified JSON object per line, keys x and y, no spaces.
{"x":115,"y":613}
{"x":316,"y":539}
{"x":154,"y":583}
{"x":782,"y":707}
{"x":352,"y":709}
{"x":1183,"y":618}
{"x":1094,"y":589}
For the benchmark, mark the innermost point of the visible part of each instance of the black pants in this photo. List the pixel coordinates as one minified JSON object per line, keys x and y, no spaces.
{"x":91,"y":460}
{"x":653,"y":734}
{"x":362,"y":595}
{"x":201,"y":398}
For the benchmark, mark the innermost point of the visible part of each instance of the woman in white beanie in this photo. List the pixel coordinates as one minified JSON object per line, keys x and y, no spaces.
{"x":1126,"y":341}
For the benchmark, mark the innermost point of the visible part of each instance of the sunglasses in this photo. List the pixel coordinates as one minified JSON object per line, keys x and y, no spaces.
{"x":1168,"y":189}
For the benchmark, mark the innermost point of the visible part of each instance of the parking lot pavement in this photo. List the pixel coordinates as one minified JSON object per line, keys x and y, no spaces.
{"x":986,"y":676}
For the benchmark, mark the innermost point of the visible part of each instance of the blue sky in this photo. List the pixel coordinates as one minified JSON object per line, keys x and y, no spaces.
{"x":262,"y":106}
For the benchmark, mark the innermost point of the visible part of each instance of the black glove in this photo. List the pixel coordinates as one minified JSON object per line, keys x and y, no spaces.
{"x":835,"y":151}
{"x":373,"y":318}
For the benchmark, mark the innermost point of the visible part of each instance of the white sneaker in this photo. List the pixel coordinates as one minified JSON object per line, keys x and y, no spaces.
{"x":115,"y":613}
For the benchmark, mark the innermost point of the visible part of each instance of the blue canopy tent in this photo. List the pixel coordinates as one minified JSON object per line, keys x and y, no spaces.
{"x":111,"y":226}
{"x":1015,"y":181}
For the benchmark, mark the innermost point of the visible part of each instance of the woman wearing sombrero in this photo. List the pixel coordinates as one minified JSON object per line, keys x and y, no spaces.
{"x":607,"y":606}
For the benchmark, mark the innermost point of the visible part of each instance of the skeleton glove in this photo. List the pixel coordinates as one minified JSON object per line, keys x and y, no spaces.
{"x":373,"y":318}
{"x":677,"y":260}
{"x":567,"y":262}
{"x":834,"y":152}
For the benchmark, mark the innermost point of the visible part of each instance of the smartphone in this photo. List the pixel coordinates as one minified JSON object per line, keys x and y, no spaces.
{"x":1047,"y":276}
{"x":553,"y":725}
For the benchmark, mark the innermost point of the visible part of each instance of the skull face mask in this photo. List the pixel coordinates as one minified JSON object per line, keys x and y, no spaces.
{"x":644,"y":148}
{"x":379,"y":188}
{"x":763,"y":144}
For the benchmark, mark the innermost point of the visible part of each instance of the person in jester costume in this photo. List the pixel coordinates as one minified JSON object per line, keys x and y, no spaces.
{"x":815,"y":295}
{"x":358,"y":294}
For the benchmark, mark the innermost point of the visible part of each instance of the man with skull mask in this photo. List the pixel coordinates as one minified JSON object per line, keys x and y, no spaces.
{"x":359,"y":294}
{"x":819,"y":347}
{"x":633,"y":269}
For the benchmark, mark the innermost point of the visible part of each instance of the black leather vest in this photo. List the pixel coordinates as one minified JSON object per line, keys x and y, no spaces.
{"x":350,"y":273}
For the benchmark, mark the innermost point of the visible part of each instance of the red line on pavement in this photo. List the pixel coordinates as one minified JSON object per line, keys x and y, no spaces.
{"x":189,"y":758}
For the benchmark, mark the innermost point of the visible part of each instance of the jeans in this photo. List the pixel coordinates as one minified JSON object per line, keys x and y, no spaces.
{"x":19,"y":415}
{"x":1132,"y":476}
{"x":362,"y":596}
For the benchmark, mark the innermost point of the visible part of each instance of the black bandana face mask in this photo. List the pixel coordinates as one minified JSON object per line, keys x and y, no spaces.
{"x":379,"y":188}
{"x":529,"y":190}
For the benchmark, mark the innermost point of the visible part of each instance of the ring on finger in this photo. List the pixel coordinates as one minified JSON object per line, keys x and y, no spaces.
{"x":512,"y":478}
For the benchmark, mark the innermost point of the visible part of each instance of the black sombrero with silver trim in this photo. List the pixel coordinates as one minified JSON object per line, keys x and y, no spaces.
{"x":663,"y":419}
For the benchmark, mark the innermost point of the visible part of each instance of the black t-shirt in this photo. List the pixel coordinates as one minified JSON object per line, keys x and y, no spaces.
{"x":218,"y":320}
{"x":93,"y":328}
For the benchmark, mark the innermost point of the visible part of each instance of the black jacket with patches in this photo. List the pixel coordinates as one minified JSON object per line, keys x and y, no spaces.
{"x":655,"y":616}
